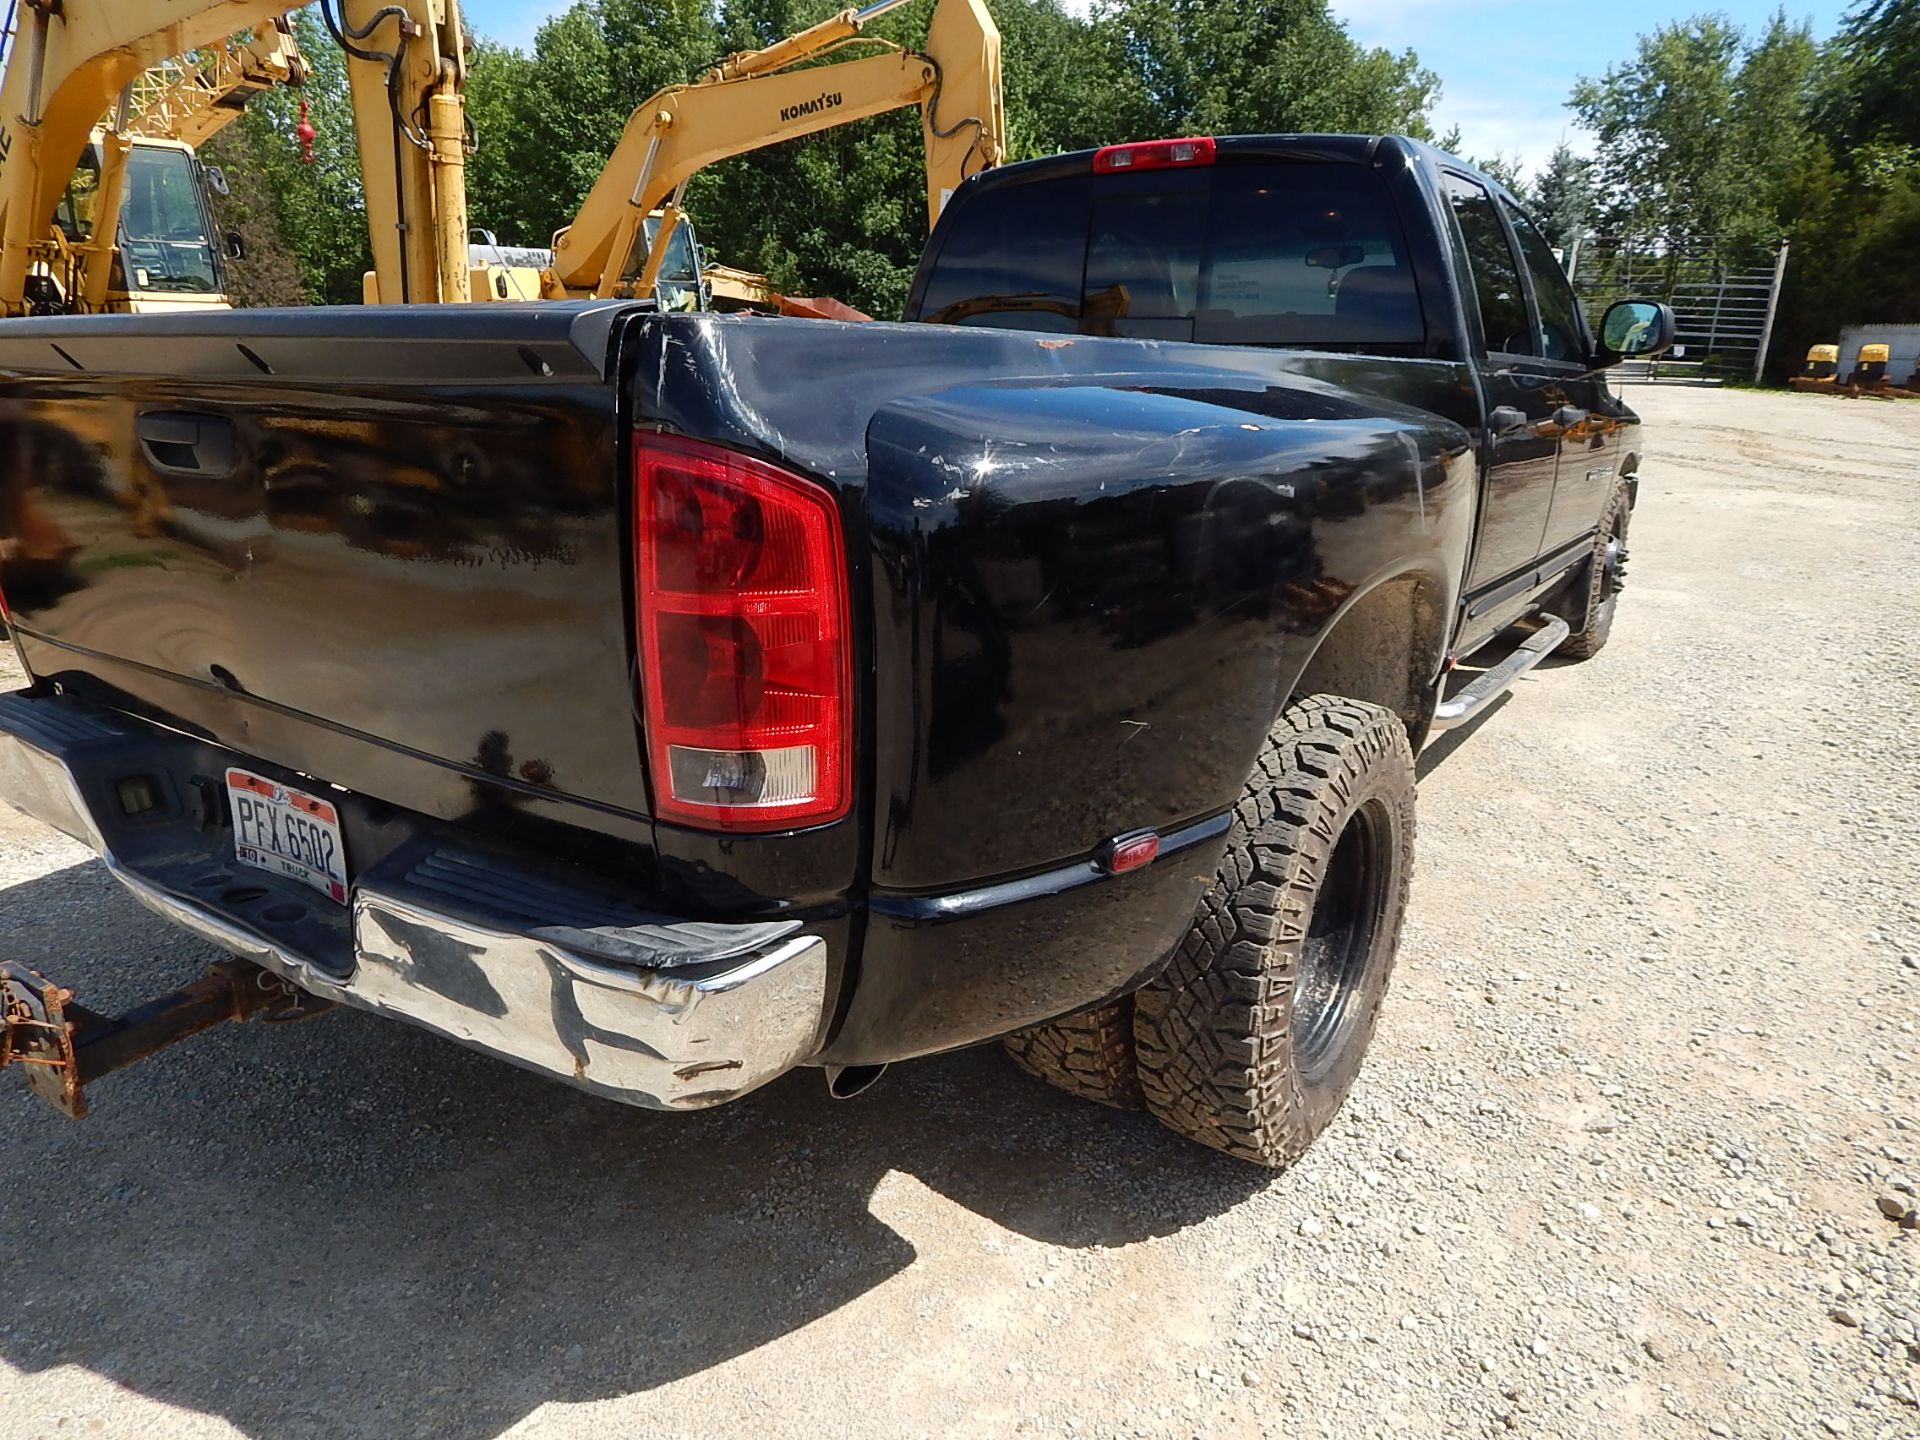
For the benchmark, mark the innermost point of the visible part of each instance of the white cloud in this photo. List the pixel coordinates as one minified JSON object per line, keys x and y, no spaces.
{"x":1501,"y":125}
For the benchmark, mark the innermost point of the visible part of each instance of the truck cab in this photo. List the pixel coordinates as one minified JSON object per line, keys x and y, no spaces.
{"x":1337,"y":246}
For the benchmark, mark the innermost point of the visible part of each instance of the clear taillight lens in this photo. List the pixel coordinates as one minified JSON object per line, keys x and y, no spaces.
{"x":746,"y":657}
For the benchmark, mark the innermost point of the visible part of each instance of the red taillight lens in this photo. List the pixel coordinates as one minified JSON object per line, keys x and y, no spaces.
{"x":1154,"y":155}
{"x":745,"y":646}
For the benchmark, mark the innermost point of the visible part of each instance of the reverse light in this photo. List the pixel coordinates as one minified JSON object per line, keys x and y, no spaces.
{"x":1154,"y":155}
{"x":746,"y":672}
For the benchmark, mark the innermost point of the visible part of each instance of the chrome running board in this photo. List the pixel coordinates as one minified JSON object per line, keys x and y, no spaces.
{"x":1457,"y":711}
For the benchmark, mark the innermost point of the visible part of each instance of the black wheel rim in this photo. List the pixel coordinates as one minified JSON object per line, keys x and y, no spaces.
{"x":1330,"y":985}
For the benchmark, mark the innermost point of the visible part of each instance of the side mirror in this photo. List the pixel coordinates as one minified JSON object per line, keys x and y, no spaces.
{"x":236,"y":246}
{"x":216,"y":180}
{"x":1635,"y":330}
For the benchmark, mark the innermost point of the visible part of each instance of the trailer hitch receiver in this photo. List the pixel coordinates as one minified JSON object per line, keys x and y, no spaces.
{"x":61,"y":1046}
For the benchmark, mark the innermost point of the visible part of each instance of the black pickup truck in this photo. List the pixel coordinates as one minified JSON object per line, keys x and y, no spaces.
{"x":664,"y":702}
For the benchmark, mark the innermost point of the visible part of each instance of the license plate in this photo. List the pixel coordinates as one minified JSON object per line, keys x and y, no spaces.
{"x":288,"y":833}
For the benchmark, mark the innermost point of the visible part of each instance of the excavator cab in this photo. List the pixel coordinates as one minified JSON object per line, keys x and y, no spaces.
{"x":165,"y":256}
{"x":682,"y":285}
{"x":512,"y":272}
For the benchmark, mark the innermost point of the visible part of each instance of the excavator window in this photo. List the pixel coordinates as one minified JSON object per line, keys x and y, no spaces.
{"x":679,"y":287}
{"x":164,"y":234}
{"x":74,"y":214}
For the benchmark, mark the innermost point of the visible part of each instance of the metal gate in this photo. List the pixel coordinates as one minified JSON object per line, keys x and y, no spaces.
{"x":1724,"y":295}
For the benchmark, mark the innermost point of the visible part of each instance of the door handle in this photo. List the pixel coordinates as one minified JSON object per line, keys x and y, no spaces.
{"x":1505,"y":419}
{"x":1568,"y":416}
{"x":180,"y":442}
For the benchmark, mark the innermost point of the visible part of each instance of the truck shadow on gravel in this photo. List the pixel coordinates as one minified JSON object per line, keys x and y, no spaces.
{"x":351,"y":1228}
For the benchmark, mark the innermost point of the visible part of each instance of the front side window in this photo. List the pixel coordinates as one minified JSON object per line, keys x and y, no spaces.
{"x":164,"y":245}
{"x":1562,"y":336}
{"x":1494,"y":271}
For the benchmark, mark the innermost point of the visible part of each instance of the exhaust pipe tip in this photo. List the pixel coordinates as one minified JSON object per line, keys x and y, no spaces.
{"x":846,"y":1081}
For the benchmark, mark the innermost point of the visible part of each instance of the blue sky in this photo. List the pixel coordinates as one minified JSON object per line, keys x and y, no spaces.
{"x":1505,"y":65}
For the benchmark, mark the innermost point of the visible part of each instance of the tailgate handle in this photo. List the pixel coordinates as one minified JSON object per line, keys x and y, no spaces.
{"x":180,"y":442}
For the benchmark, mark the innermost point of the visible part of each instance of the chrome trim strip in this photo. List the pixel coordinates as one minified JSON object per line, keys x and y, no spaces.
{"x":664,"y":1040}
{"x":937,"y":909}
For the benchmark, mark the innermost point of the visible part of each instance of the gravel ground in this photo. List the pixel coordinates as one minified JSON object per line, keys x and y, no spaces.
{"x":1618,"y":1167}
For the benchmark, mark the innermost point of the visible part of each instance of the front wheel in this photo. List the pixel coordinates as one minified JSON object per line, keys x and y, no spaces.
{"x":1606,"y":573}
{"x":1252,"y":1036}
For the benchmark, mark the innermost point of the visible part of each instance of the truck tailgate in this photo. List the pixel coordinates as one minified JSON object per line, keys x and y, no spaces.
{"x":381,"y":535}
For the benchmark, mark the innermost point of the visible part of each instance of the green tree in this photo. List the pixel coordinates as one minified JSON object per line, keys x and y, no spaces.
{"x":1660,"y":124}
{"x":1769,"y":122}
{"x":1254,"y":66}
{"x":321,"y":207}
{"x":1706,"y":131}
{"x":1562,"y":196}
{"x":1506,"y":169}
{"x":270,"y":272}
{"x":499,"y":195}
{"x":1867,"y":91}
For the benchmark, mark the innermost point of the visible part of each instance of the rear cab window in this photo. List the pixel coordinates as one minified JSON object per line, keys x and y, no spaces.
{"x":1305,"y":254}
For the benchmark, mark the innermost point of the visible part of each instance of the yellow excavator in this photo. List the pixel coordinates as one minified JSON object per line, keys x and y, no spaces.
{"x":164,"y":257}
{"x":627,"y":239}
{"x":69,"y":63}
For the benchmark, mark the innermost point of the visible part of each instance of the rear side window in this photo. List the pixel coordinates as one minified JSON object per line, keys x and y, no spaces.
{"x":1305,"y":255}
{"x":1495,"y":272}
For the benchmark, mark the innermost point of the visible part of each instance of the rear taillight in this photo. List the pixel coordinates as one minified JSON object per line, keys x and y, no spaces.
{"x":1153,"y":155}
{"x":745,"y":644}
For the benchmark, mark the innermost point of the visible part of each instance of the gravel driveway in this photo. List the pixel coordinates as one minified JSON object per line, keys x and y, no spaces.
{"x":1616,"y":1168}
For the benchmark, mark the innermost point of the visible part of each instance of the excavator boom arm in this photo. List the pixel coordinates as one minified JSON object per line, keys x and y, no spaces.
{"x":195,"y":99}
{"x":69,"y":62}
{"x":746,"y":105}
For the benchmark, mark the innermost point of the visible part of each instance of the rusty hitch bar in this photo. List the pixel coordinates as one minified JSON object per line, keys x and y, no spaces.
{"x":62,"y":1047}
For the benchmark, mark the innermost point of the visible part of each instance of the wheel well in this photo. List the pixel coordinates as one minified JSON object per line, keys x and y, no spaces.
{"x":1385,"y":648}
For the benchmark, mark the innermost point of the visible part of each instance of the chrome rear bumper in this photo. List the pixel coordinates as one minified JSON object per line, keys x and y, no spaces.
{"x":729,"y":1008}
